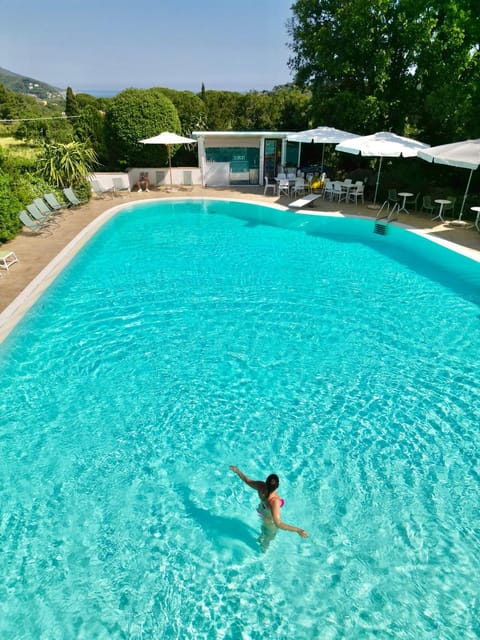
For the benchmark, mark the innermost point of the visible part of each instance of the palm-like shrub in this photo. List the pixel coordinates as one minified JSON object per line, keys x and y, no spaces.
{"x":66,"y":164}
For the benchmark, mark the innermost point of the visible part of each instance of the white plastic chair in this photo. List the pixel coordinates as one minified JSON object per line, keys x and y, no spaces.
{"x":284,"y":187}
{"x":356,"y":193}
{"x":328,"y":190}
{"x":338,"y":193}
{"x":299,"y":187}
{"x":269,"y":185}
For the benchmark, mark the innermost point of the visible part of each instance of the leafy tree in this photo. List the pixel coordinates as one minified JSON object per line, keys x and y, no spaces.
{"x":254,"y":112}
{"x":39,"y":121}
{"x":90,"y":127}
{"x":292,"y":108}
{"x":447,"y":71}
{"x":10,"y":205}
{"x":85,"y":99}
{"x":388,"y":64}
{"x":193,"y":117}
{"x":285,"y":108}
{"x":66,"y":164}
{"x":222,"y":109}
{"x":135,"y":114}
{"x":190,"y":108}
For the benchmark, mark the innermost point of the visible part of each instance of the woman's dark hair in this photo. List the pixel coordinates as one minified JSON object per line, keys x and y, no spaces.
{"x":272,"y":483}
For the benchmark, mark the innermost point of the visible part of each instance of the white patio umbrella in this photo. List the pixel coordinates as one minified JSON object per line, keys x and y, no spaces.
{"x":168,"y":139}
{"x":383,"y":144}
{"x":321,"y":135}
{"x":464,"y":154}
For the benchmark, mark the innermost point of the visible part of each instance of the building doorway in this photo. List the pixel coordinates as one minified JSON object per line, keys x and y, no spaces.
{"x":272,"y":157}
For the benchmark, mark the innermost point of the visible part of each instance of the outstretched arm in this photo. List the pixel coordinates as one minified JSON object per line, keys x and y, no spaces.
{"x":275,"y":508}
{"x":255,"y":484}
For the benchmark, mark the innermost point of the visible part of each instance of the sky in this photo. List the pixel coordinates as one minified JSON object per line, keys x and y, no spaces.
{"x":115,"y":44}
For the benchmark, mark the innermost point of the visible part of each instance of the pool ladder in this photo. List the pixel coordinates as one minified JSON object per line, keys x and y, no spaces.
{"x":389,"y":214}
{"x":380,"y":229}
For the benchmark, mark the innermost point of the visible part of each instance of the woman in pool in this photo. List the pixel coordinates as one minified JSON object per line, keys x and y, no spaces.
{"x":270,"y":502}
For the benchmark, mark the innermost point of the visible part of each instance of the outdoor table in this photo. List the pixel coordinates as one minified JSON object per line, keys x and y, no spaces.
{"x":477,"y":219}
{"x":347,"y":187}
{"x":405,"y":195}
{"x":442,"y":203}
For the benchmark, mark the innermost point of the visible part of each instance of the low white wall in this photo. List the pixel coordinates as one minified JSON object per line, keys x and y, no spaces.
{"x":158,"y":177}
{"x":106,"y":179}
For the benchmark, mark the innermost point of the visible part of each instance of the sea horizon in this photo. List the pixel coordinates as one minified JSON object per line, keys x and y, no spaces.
{"x":100,"y":93}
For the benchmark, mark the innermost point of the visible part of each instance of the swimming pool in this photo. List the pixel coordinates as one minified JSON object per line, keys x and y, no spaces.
{"x":190,"y":335}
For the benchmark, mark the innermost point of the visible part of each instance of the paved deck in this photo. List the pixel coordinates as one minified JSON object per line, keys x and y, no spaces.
{"x":24,"y":281}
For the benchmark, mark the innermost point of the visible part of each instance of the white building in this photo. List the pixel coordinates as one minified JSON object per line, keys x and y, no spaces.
{"x":243,"y":157}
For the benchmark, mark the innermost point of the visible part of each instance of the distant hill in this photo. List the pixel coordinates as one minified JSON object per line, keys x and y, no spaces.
{"x":30,"y":86}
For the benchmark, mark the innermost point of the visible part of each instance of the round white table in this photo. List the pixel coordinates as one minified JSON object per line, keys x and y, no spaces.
{"x":405,"y":195}
{"x":477,"y":219}
{"x":442,"y":204}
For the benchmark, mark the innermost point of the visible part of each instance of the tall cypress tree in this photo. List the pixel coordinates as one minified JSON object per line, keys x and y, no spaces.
{"x":71,"y":106}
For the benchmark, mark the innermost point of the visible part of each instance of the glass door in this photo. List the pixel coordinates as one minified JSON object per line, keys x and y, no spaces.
{"x":272,"y":157}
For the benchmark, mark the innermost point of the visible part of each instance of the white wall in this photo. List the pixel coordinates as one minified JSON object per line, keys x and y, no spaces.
{"x":160,"y":176}
{"x":130,"y":179}
{"x":106,"y":179}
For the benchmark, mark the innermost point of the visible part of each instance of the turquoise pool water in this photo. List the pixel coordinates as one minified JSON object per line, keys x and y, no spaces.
{"x":190,"y":335}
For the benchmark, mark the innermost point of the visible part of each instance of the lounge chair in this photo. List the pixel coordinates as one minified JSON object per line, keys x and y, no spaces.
{"x":7,"y":258}
{"x":34,"y":226}
{"x":35,"y":213}
{"x":187,"y":179}
{"x":44,"y":209}
{"x":119,"y":185}
{"x":100,"y":190}
{"x":53,"y":203}
{"x":161,"y":178}
{"x":71,"y":197}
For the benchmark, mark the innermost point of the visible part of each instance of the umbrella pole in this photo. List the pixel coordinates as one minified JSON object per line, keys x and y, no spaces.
{"x":378,"y":180}
{"x":465,"y":196}
{"x":323,"y":153}
{"x":170,"y":166}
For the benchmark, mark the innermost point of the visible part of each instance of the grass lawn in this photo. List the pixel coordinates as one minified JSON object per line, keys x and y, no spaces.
{"x":18,"y":147}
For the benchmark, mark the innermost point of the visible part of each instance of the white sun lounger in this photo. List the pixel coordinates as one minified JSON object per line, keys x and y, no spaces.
{"x":7,"y":258}
{"x":306,"y":200}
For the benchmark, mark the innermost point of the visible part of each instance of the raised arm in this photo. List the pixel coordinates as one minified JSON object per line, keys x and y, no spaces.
{"x":275,"y":508}
{"x":255,"y":484}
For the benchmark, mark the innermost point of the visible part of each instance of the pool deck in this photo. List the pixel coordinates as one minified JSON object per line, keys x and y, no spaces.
{"x":41,"y":257}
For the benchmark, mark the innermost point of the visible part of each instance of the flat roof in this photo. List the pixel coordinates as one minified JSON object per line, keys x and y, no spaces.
{"x":243,"y":134}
